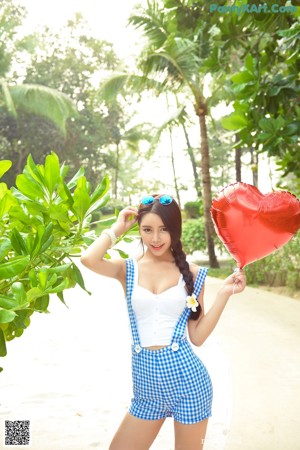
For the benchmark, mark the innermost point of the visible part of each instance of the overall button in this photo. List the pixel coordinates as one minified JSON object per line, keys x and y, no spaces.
{"x":138,"y":348}
{"x":175,"y":346}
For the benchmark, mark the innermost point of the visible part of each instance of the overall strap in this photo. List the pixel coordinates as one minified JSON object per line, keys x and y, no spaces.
{"x":182,"y":321}
{"x":130,"y":280}
{"x":201,"y":275}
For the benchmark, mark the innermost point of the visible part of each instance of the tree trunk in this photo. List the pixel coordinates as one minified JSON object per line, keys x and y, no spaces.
{"x":174,"y":170}
{"x":115,"y":193}
{"x":22,"y":157}
{"x":238,"y":162}
{"x":190,"y":151}
{"x":254,"y":166}
{"x":206,"y":185}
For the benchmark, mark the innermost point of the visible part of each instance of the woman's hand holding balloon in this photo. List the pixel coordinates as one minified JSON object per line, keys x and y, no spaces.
{"x":235,"y":283}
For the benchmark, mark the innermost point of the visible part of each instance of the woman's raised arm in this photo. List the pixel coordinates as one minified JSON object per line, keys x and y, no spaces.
{"x":93,"y":256}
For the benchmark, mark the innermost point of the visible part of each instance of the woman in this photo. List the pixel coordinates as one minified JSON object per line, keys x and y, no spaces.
{"x":165,"y":299}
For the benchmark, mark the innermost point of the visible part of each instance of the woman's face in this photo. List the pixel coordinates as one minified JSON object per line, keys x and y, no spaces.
{"x":154,"y":234}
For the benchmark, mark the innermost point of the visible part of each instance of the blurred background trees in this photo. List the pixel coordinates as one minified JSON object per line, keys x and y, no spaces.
{"x":223,"y":89}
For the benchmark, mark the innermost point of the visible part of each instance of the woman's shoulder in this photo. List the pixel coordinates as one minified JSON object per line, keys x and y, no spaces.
{"x":194,"y":268}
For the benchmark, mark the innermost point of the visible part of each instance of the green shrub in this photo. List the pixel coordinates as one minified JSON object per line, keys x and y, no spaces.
{"x":193,"y":235}
{"x":194,"y":209}
{"x":114,"y":204}
{"x":44,"y":223}
{"x":281,"y":268}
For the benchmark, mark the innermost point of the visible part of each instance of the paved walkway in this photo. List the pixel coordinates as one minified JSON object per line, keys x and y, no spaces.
{"x":70,"y":372}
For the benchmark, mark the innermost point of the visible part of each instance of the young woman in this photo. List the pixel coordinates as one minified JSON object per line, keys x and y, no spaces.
{"x":165,"y":299}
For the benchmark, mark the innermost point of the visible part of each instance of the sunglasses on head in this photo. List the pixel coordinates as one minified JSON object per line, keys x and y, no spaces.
{"x":163,"y":200}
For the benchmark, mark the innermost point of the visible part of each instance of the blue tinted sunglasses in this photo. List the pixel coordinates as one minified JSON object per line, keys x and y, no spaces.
{"x":163,"y":200}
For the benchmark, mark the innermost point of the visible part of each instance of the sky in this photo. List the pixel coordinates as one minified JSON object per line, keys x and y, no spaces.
{"x":107,"y":19}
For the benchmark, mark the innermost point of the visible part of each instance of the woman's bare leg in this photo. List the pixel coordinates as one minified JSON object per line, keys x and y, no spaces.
{"x":135,"y":434}
{"x":190,"y":437}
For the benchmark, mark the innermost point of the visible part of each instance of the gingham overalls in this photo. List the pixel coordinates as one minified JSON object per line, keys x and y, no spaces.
{"x":172,"y":381}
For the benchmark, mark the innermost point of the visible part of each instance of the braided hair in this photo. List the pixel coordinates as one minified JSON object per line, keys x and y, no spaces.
{"x":171,"y":217}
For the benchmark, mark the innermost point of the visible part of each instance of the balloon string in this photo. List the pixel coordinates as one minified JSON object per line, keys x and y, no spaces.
{"x":235,"y":284}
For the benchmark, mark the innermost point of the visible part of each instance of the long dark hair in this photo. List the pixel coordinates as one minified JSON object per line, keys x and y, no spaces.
{"x":171,"y":218}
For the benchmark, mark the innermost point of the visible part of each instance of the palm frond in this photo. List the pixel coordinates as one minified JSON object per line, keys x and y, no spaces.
{"x":174,"y":119}
{"x":176,"y":62}
{"x":43,"y":101}
{"x":128,"y":83}
{"x":152,"y":24}
{"x":138,"y":133}
{"x":8,"y":101}
{"x":113,"y":86}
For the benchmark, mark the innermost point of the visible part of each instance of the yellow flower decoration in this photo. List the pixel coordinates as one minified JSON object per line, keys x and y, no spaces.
{"x":192,"y":303}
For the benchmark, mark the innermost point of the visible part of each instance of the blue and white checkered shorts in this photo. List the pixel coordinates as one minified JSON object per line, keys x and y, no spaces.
{"x":170,"y":383}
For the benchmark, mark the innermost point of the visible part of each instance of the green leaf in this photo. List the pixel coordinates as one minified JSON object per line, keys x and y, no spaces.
{"x":43,"y":239}
{"x":32,"y":277}
{"x":59,"y":287}
{"x":18,"y":242}
{"x":29,"y":187}
{"x":249,"y":63}
{"x":42,"y":303}
{"x":73,"y":182}
{"x":292,"y":129}
{"x":98,"y":204}
{"x":6,"y":200}
{"x":100,"y":190}
{"x":81,"y":199}
{"x":243,"y":77}
{"x":42,"y":277}
{"x":272,"y":125}
{"x":6,"y":316}
{"x":60,"y":295}
{"x":107,"y":222}
{"x":77,"y":276}
{"x":235,"y":121}
{"x":52,"y":172}
{"x":19,"y":292}
{"x":121,"y":253}
{"x":65,"y":194}
{"x":8,"y":302}
{"x":59,"y":212}
{"x":33,"y":294}
{"x":5,"y":165}
{"x":60,"y":269}
{"x":14,"y":266}
{"x":5,"y":246}
{"x":3,"y":351}
{"x":34,"y":171}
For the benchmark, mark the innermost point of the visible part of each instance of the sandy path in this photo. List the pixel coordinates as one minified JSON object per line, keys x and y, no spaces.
{"x":70,"y":372}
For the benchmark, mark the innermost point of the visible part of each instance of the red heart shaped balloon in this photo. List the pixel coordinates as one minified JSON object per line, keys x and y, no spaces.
{"x":252,"y":225}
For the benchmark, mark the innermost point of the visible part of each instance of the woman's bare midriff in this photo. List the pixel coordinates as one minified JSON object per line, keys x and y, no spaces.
{"x":156,"y":347}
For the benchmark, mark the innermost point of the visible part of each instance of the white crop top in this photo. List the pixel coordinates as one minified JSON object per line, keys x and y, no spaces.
{"x":157,"y":314}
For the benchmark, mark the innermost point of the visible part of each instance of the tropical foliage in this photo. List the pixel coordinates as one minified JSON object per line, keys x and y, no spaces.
{"x":44,"y":223}
{"x":30,"y":98}
{"x":247,"y":61}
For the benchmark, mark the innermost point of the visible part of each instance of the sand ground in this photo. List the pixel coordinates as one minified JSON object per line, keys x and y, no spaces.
{"x":69,"y":374}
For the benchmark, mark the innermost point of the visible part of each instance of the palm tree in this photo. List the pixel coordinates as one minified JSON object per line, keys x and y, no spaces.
{"x":172,"y":62}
